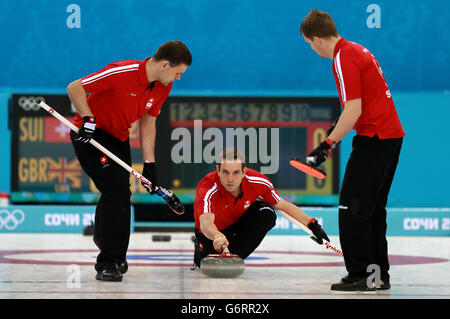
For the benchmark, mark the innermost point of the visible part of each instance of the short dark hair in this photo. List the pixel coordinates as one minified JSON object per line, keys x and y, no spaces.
{"x":231,"y":154}
{"x":318,"y":24}
{"x":176,"y":52}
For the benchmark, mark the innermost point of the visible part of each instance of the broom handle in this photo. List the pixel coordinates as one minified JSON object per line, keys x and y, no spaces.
{"x":94,"y":142}
{"x":309,"y":232}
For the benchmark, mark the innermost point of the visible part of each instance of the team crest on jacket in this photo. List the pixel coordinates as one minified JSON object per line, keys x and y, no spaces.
{"x":104,"y":161}
{"x":247,"y":204}
{"x":149,"y":103}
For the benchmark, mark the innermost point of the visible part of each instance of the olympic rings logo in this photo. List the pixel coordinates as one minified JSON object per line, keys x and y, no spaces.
{"x":10,"y":220}
{"x":27,"y":103}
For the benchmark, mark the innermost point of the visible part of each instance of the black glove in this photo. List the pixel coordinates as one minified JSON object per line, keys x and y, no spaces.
{"x":320,"y":154}
{"x":149,"y":172}
{"x":87,"y":130}
{"x":317,"y":230}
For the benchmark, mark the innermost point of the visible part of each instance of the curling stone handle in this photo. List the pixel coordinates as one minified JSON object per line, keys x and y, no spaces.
{"x":225,"y":251}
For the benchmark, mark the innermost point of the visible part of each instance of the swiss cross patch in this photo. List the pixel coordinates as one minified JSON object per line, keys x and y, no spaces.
{"x":104,"y":161}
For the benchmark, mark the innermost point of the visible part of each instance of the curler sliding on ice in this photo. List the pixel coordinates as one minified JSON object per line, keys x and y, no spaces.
{"x":240,"y":227}
{"x":172,"y":200}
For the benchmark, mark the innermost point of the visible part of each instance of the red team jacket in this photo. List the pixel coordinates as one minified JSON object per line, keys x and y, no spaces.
{"x":212,"y":197}
{"x":358,"y":76}
{"x":120,"y":95}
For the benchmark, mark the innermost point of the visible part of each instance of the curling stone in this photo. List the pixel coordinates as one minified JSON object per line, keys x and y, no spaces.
{"x":161,"y":238}
{"x":225,"y":265}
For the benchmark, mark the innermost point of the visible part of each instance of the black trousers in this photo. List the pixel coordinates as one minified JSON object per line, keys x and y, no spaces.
{"x":113,"y":212}
{"x":362,"y":203}
{"x":244,"y":236}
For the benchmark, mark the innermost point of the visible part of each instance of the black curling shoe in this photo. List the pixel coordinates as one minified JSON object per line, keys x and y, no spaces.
{"x":347,"y":285}
{"x":109,"y":273}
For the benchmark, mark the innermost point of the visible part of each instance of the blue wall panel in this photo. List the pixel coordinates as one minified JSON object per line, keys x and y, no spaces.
{"x":236,"y":45}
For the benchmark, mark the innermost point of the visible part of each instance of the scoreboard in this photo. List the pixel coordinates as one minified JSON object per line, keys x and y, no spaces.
{"x":191,"y":132}
{"x":270,"y":131}
{"x":44,"y":167}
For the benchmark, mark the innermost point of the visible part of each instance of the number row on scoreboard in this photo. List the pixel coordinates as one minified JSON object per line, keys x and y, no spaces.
{"x":264,"y":112}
